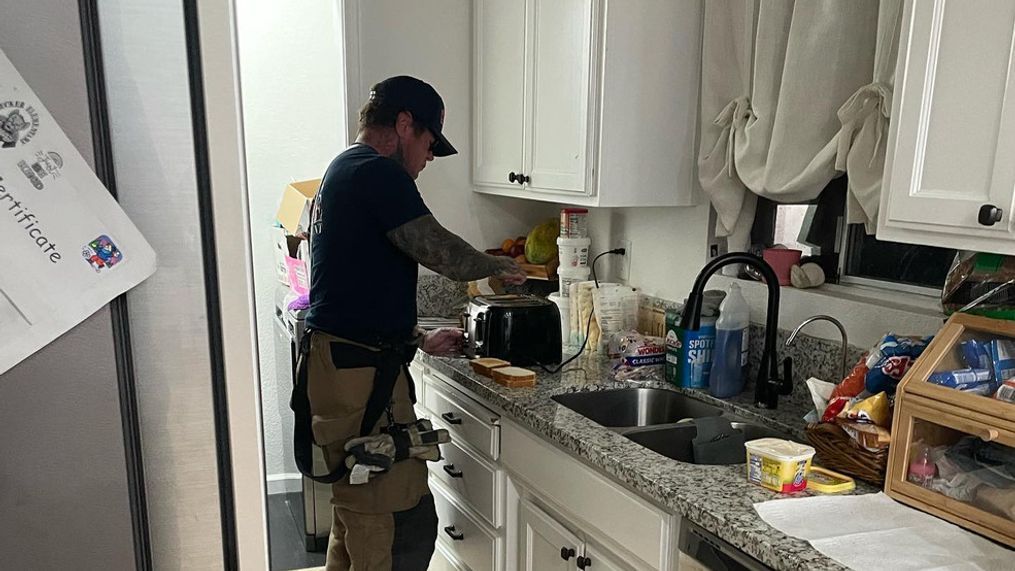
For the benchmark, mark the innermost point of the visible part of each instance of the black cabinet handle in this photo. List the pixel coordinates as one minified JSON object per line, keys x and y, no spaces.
{"x":450,"y":469}
{"x":583,"y":562}
{"x":566,"y":553}
{"x":450,"y":418}
{"x":454,"y":533}
{"x":989,"y":215}
{"x":518,"y":177}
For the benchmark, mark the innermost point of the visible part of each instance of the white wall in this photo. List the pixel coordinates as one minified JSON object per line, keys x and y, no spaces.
{"x":63,"y":479}
{"x":667,"y":246}
{"x":432,"y":40}
{"x":294,"y":123}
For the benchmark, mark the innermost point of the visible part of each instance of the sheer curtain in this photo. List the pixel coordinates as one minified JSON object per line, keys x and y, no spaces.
{"x":793,"y":94}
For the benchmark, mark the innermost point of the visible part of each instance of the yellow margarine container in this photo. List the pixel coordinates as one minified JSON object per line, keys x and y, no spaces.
{"x":777,"y":464}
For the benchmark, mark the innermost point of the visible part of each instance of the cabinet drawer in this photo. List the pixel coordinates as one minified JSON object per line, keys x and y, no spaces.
{"x":471,"y":478}
{"x":417,"y":371}
{"x":467,"y":420}
{"x":468,"y":540}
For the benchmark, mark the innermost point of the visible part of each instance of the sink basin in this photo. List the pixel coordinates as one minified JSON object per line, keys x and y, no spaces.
{"x":675,"y":441}
{"x":635,"y":407}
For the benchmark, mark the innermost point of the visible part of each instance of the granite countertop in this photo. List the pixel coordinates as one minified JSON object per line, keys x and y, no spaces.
{"x":718,"y":498}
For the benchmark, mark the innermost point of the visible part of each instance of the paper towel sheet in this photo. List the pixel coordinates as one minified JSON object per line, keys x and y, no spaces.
{"x":874,"y":532}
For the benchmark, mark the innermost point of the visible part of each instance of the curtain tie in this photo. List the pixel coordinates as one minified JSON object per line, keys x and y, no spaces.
{"x":733,"y":118}
{"x":870,"y":99}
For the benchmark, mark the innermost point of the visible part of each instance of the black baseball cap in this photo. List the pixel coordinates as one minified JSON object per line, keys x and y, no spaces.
{"x":406,"y":93}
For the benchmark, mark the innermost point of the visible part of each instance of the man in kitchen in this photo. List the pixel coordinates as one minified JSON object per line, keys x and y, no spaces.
{"x":370,"y":229}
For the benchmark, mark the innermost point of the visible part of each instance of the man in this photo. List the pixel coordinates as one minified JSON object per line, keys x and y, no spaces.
{"x":370,"y":229}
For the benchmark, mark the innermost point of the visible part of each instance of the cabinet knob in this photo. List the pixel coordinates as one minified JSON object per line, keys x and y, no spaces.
{"x":518,"y":177}
{"x":566,"y":553}
{"x":583,"y":562}
{"x":989,"y":215}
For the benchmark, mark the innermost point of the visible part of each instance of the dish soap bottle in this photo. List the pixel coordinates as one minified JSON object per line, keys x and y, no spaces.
{"x":730,"y":361}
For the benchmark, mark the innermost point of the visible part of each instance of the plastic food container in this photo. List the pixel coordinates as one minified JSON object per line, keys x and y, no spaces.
{"x":570,"y":276}
{"x":564,"y":306}
{"x":573,"y":252}
{"x":574,"y":223}
{"x":777,"y":464}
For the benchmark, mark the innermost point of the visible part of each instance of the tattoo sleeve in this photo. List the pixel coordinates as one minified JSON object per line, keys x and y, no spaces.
{"x":439,"y":249}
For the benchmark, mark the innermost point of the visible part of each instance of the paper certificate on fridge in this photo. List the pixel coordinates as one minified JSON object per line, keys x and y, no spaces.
{"x":66,"y":247}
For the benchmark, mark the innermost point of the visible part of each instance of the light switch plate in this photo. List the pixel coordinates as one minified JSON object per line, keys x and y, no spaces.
{"x":624,"y":262}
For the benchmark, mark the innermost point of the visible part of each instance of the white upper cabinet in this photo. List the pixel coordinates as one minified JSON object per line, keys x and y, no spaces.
{"x":950,"y":174}
{"x":587,"y":102}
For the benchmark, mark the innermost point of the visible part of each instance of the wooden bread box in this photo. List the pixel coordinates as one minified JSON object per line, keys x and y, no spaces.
{"x":953,"y":421}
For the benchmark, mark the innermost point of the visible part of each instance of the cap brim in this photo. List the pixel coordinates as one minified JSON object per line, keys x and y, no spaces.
{"x":443,"y":147}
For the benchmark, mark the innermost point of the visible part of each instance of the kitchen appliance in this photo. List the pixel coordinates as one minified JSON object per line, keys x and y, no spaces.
{"x":522,"y":329}
{"x":313,"y":514}
{"x":701,"y":549}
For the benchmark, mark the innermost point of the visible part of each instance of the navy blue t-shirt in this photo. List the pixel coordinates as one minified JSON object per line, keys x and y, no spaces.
{"x":362,"y":287}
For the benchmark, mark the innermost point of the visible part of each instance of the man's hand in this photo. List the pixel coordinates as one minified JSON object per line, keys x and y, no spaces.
{"x":444,"y":342}
{"x":510,"y":272}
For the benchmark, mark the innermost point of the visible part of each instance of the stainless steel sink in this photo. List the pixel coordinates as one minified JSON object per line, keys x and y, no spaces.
{"x":636,"y":407}
{"x":675,"y":441}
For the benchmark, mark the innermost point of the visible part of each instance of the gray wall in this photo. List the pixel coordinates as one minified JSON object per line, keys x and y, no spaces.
{"x":63,"y":484}
{"x":144,"y":52}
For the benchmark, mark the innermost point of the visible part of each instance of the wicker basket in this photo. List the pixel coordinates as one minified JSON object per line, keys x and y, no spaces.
{"x":837,"y":451}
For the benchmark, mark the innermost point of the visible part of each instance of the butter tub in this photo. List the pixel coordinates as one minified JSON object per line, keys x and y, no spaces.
{"x":777,"y":464}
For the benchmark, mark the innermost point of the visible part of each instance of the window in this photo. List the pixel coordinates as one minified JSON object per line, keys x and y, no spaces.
{"x":848,"y":254}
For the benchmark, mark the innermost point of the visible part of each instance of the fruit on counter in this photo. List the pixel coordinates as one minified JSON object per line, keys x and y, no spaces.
{"x":541,"y":243}
{"x":517,"y":250}
{"x":521,"y":259}
{"x":506,"y":245}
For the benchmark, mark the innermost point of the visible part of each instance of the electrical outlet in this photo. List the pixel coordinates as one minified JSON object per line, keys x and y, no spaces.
{"x":624,"y":262}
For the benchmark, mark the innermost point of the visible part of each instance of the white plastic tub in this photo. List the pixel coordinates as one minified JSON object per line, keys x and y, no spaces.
{"x":777,"y":464}
{"x":574,"y":252}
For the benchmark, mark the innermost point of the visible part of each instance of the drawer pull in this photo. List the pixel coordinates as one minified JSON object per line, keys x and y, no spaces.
{"x":450,"y":418}
{"x":454,"y":533}
{"x":450,"y":469}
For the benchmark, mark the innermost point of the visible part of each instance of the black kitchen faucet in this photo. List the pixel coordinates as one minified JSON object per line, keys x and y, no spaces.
{"x":769,"y":386}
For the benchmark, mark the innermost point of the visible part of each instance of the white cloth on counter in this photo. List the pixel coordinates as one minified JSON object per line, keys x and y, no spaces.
{"x":874,"y":532}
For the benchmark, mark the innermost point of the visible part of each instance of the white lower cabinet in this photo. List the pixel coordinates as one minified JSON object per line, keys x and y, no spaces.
{"x":543,"y":543}
{"x":509,"y":500}
{"x":546,"y":544}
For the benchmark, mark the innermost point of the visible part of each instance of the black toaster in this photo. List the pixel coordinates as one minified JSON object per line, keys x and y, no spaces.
{"x":522,"y":329}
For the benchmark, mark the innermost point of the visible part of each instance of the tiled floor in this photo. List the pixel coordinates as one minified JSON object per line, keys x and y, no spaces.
{"x":286,"y":540}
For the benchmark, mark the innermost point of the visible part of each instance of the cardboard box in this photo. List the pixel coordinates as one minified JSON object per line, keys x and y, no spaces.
{"x":295,"y":204}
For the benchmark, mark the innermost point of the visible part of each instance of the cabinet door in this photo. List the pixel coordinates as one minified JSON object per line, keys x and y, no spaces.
{"x":557,"y":124}
{"x":953,"y":127}
{"x":498,"y":90}
{"x":544,"y":544}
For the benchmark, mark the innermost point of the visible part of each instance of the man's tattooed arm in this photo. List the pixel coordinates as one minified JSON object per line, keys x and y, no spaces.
{"x":437,"y":248}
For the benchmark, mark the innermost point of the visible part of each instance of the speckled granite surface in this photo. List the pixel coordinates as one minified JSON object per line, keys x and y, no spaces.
{"x":716,"y":497}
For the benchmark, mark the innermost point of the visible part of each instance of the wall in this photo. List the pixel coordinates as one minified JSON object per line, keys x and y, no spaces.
{"x":433,"y":41}
{"x":63,"y":481}
{"x":667,"y":246}
{"x":294,"y":123}
{"x":149,"y":107}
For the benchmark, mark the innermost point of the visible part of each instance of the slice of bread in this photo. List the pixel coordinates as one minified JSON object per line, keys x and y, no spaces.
{"x":514,"y":377}
{"x":485,"y":365}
